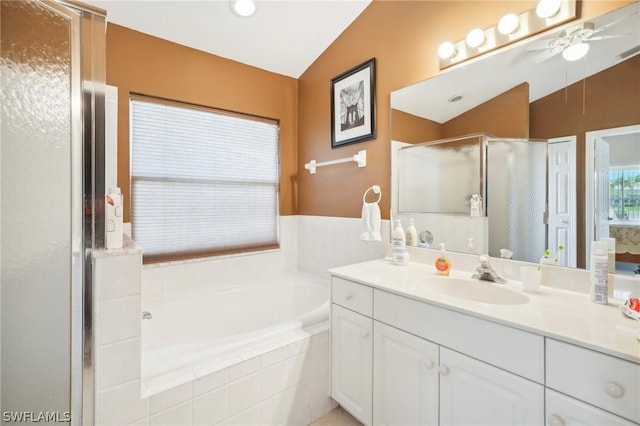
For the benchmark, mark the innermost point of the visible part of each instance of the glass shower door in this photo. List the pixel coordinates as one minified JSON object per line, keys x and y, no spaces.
{"x":517,"y":197}
{"x":41,"y":228}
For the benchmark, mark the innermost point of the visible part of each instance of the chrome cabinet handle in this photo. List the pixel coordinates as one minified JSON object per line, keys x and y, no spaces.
{"x":444,"y":370}
{"x":364,"y":333}
{"x":348,"y":296}
{"x":614,"y":390}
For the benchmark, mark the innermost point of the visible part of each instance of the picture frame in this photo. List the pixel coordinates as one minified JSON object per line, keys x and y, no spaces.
{"x":353,"y":105}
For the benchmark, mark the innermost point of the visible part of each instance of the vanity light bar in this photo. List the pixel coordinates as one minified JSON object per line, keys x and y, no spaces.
{"x":528,"y":23}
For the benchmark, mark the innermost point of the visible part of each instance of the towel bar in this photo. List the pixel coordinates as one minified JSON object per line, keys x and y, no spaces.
{"x":360,"y":158}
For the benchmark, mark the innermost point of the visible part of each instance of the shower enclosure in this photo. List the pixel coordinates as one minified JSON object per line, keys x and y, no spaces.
{"x":52,"y":69}
{"x":436,"y":180}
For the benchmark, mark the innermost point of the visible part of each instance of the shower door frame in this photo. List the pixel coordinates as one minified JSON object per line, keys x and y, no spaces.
{"x":87,"y":26}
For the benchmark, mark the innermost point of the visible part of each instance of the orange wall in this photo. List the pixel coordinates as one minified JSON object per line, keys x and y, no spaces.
{"x":410,"y":128}
{"x":403,"y":36}
{"x":506,"y":115}
{"x":139,"y":63}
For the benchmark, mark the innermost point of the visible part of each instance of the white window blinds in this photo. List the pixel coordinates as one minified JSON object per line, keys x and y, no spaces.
{"x":202,"y":181}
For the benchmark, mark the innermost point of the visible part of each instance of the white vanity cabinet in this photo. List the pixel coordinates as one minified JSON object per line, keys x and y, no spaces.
{"x":475,"y":393}
{"x":405,"y":378}
{"x":352,"y":348}
{"x":479,"y":387}
{"x":398,"y":360}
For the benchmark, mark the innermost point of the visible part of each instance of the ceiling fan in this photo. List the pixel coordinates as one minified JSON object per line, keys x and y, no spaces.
{"x":573,"y":41}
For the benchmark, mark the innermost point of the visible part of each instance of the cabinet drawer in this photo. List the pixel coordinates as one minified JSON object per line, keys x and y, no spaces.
{"x":514,"y":350}
{"x":563,"y":410}
{"x":354,"y":296}
{"x":602,"y":380}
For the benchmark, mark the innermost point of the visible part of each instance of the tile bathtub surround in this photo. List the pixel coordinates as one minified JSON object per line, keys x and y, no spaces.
{"x":174,"y":278}
{"x":311,"y":244}
{"x":328,"y":242}
{"x":289,"y":385}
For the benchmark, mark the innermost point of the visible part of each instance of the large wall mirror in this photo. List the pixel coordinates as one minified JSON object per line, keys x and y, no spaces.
{"x":562,"y":141}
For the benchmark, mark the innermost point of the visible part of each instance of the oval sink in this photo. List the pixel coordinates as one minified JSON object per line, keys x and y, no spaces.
{"x":477,"y":291}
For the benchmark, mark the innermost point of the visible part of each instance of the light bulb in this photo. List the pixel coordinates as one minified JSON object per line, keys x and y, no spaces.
{"x":547,"y":8}
{"x":508,"y":24}
{"x":243,"y":8}
{"x":446,"y":50}
{"x":575,"y":51}
{"x":475,"y":38}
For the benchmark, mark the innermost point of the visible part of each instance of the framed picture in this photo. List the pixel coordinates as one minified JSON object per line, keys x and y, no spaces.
{"x":353,"y":105}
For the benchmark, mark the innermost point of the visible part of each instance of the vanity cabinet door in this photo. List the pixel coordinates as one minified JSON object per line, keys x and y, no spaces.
{"x":405,"y":378}
{"x":352,"y":362}
{"x":566,"y":411}
{"x":475,"y":393}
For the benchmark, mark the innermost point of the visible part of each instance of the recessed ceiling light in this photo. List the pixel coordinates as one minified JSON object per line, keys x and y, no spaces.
{"x":508,"y":24}
{"x":447,"y":50}
{"x":475,"y":38}
{"x":243,"y":8}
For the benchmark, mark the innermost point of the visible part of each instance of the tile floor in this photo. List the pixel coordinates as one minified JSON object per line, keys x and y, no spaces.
{"x":336,"y":417}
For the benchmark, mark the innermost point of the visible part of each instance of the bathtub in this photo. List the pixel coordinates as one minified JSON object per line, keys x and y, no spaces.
{"x":210,"y":329}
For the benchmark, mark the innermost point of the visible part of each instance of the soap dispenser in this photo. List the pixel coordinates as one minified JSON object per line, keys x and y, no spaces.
{"x":443,"y":266}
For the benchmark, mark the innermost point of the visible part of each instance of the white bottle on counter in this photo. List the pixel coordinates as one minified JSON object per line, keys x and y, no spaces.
{"x":611,"y":252}
{"x":412,"y":235}
{"x":599,"y":272}
{"x":398,"y":237}
{"x":113,"y":222}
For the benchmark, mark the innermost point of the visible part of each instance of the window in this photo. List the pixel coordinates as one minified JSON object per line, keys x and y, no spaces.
{"x":203,"y":181}
{"x":624,"y":194}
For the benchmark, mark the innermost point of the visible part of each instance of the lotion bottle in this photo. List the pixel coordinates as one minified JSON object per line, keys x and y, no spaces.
{"x":398,"y":237}
{"x":443,"y":266}
{"x":598,"y":273}
{"x":412,"y":234}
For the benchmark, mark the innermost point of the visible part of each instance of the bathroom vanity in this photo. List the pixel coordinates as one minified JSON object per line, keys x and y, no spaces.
{"x":410,"y":347}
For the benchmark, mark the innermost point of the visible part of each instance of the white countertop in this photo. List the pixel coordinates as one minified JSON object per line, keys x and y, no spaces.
{"x":551,"y":312}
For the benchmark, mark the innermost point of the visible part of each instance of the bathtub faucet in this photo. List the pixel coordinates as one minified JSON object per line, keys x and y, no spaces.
{"x":146,"y":315}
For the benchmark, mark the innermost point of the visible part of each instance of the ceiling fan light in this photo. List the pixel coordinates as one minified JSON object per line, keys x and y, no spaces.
{"x":446,"y":50}
{"x":243,"y":8}
{"x":508,"y":24}
{"x":475,"y":38}
{"x":575,"y":51}
{"x":548,"y":8}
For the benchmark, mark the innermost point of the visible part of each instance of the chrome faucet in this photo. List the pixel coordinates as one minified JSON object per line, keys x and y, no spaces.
{"x":485,"y":272}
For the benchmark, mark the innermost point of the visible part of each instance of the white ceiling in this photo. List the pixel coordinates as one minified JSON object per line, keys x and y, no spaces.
{"x":283,"y":36}
{"x":481,"y":80}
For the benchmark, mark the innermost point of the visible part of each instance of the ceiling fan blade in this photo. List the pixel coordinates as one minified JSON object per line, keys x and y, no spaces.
{"x":607,"y":37}
{"x":541,"y":44}
{"x":610,"y":24}
{"x":543,"y":56}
